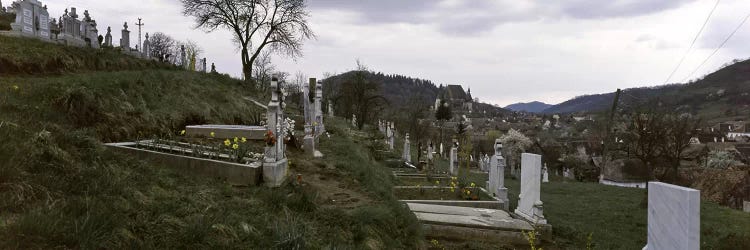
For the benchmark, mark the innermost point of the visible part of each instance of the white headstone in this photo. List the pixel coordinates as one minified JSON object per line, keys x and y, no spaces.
{"x":407,"y":149}
{"x":545,"y":174}
{"x":453,"y":168}
{"x":530,"y":206}
{"x":275,"y":168}
{"x":673,"y":217}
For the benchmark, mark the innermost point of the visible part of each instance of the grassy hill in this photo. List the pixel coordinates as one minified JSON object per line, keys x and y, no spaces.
{"x":60,"y":188}
{"x":724,"y":94}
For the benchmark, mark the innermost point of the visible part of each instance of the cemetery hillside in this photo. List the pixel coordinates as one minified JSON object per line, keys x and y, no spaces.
{"x":61,"y":188}
{"x":217,"y":124}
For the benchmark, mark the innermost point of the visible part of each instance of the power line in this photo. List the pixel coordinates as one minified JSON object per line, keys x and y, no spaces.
{"x":718,"y":48}
{"x":692,"y":43}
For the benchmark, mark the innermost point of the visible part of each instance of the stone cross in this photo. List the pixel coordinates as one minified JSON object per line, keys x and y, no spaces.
{"x":673,"y":217}
{"x":275,"y":162}
{"x":309,"y":139}
{"x":530,"y":206}
{"x":407,"y":149}
{"x":496,"y":183}
{"x":140,"y":24}
{"x":318,"y":114}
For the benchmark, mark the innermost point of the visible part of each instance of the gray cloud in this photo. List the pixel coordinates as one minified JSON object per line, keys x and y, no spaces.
{"x":463,"y":17}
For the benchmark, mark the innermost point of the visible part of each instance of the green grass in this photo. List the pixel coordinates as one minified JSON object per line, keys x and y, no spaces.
{"x":614,"y":215}
{"x":26,"y":56}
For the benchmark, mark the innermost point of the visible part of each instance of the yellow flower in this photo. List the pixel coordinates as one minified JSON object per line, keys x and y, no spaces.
{"x":182,"y":132}
{"x":227,"y":143}
{"x":15,"y":87}
{"x":473,"y":185}
{"x":468,"y":192}
{"x":213,"y":134}
{"x":437,"y":182}
{"x":236,"y":140}
{"x":244,"y":139}
{"x":235,"y":146}
{"x":453,"y":189}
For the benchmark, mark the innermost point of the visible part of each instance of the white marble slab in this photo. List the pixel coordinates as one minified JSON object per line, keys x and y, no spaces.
{"x":529,"y":202}
{"x":673,"y":217}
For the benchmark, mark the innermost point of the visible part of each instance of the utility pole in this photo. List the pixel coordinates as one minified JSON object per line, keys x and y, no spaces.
{"x":139,"y":24}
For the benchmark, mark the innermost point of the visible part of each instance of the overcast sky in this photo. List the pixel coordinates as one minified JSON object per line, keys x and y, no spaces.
{"x":506,"y":51}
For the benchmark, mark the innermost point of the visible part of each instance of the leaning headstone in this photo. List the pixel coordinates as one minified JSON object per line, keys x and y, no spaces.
{"x":407,"y":149}
{"x":545,"y":174}
{"x":530,"y":206}
{"x":496,"y":183}
{"x":453,"y":167}
{"x":275,"y":162}
{"x":673,"y":217}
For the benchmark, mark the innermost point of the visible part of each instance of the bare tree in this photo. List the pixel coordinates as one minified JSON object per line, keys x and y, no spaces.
{"x":280,"y":25}
{"x":263,"y":70}
{"x":361,"y":96}
{"x":679,"y":130}
{"x":161,"y":46}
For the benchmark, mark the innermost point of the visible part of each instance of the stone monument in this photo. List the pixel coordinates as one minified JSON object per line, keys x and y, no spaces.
{"x":407,"y":149}
{"x":309,"y":139}
{"x":32,"y":20}
{"x":125,"y":40}
{"x":108,"y":37}
{"x":453,"y":167}
{"x":146,"y":48}
{"x":496,"y":183}
{"x":545,"y":174}
{"x":530,"y":206}
{"x":275,"y":161}
{"x":673,"y":217}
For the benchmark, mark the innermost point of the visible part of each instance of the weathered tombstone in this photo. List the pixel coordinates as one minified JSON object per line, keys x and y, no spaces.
{"x":673,"y":217}
{"x":354,"y":120}
{"x":407,"y":149}
{"x":146,"y":48}
{"x":318,"y":116}
{"x":392,"y":137}
{"x":108,"y":37}
{"x":496,"y":183}
{"x":90,"y":34}
{"x":545,"y":174}
{"x":530,"y":206}
{"x":453,"y":167}
{"x":309,"y":139}
{"x":125,"y":39}
{"x":32,"y":19}
{"x":746,"y":206}
{"x":275,"y":161}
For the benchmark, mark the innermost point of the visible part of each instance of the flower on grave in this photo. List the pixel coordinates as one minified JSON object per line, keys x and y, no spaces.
{"x":182,"y":132}
{"x":227,"y":143}
{"x":437,"y":182}
{"x":468,"y":192}
{"x":243,"y":139}
{"x":15,"y":87}
{"x":453,"y":190}
{"x":235,"y":146}
{"x":236,"y":140}
{"x":270,"y":138}
{"x":473,"y":185}
{"x":212,"y":134}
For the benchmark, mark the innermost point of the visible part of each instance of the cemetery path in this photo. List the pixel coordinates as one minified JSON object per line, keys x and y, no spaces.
{"x":335,"y":193}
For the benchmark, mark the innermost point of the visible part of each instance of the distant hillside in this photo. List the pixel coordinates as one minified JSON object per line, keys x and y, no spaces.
{"x":724,"y":94}
{"x":402,"y":90}
{"x":533,"y":107}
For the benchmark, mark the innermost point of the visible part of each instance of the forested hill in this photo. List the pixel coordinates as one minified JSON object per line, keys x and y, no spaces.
{"x":401,"y":91}
{"x":724,"y":94}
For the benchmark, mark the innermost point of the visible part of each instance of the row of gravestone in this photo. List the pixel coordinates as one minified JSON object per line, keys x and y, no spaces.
{"x":33,"y":20}
{"x":387,"y":129}
{"x":673,"y":211}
